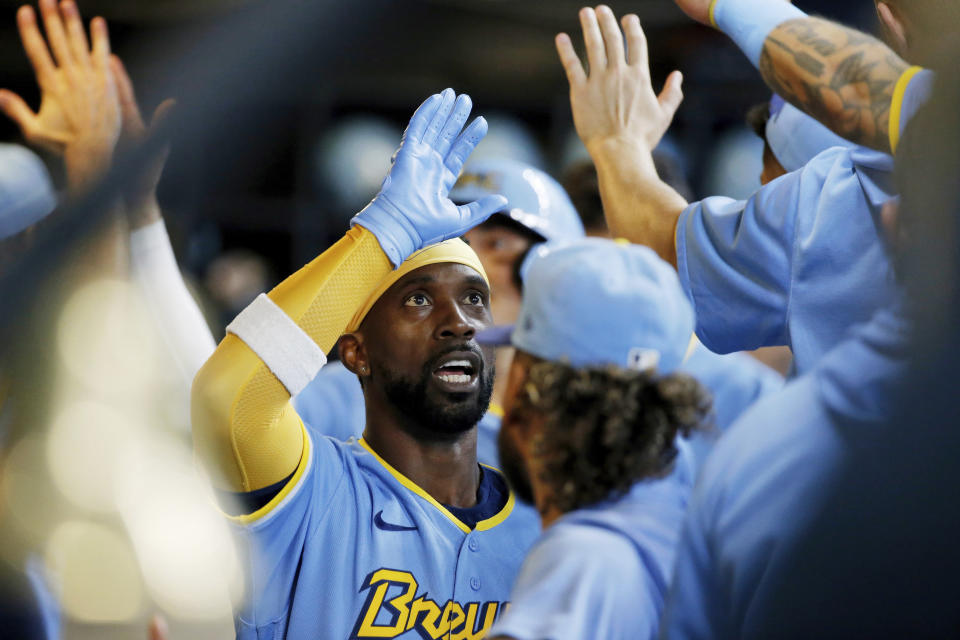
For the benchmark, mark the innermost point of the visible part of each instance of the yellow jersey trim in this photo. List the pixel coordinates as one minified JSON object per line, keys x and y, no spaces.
{"x":896,"y":105}
{"x":496,"y":409}
{"x":288,"y":488}
{"x":483,"y":525}
{"x":691,"y":347}
{"x":490,"y":523}
{"x":713,"y":17}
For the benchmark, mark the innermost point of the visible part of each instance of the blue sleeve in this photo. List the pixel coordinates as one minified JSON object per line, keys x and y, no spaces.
{"x":796,"y":264}
{"x":692,"y":610}
{"x":272,"y":539}
{"x":735,"y":261}
{"x":332,"y":405}
{"x":735,"y":381}
{"x":581,"y":582}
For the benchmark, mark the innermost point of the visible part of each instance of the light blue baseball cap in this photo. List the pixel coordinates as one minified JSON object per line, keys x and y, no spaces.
{"x":596,"y":302}
{"x":795,"y":138}
{"x":534,"y":199}
{"x":26,"y":190}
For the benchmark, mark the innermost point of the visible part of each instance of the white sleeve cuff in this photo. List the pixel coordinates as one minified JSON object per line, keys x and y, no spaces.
{"x":749,"y":22}
{"x":286,"y":349}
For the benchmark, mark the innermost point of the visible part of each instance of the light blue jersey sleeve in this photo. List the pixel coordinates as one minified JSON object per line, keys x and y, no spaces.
{"x":798,"y":263}
{"x":332,"y":404}
{"x":692,"y":610}
{"x":735,"y":382}
{"x":581,"y":582}
{"x":272,"y":539}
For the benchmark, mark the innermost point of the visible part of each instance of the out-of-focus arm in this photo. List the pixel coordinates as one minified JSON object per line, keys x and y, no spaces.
{"x":154,"y":269}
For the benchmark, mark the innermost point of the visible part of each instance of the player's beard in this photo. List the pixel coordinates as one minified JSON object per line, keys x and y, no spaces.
{"x":442,"y":418}
{"x":513,"y":467}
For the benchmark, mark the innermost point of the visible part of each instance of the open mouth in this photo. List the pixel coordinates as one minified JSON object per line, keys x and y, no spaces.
{"x":458,"y":371}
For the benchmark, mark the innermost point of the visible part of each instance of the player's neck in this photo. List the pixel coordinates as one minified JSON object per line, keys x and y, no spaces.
{"x":447,"y":469}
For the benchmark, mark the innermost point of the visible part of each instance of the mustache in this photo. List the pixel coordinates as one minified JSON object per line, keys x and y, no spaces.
{"x":473,"y":347}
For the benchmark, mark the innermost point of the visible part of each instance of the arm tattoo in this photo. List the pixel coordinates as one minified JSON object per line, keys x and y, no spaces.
{"x":843,"y":78}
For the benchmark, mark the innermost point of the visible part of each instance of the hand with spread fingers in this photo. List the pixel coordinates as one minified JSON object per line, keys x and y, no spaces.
{"x":413,"y":209}
{"x":79,"y":116}
{"x":616,"y":102}
{"x":620,"y":120}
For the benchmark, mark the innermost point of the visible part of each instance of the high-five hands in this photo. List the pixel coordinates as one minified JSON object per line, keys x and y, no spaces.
{"x":412,"y":209}
{"x":79,"y":114}
{"x":616,"y":103}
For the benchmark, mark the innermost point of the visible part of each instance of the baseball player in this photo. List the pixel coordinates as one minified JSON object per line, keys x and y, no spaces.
{"x":399,"y":534}
{"x":594,"y":409}
{"x":762,"y":489}
{"x":781,"y":268}
{"x":880,"y":558}
{"x":538,"y":210}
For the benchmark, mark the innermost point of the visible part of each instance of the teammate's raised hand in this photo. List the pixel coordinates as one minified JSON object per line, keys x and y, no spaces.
{"x":79,"y":116}
{"x":616,"y":101}
{"x":412,"y":209}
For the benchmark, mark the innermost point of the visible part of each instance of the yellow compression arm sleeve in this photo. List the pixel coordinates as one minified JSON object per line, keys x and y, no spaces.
{"x":245,"y":429}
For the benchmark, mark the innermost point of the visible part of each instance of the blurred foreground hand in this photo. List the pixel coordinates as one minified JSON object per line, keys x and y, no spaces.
{"x":79,"y":116}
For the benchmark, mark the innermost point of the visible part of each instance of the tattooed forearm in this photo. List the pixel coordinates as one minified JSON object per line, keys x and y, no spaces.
{"x":843,"y":78}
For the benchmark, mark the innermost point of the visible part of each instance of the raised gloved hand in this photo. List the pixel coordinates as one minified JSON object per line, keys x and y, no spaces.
{"x":412,"y":209}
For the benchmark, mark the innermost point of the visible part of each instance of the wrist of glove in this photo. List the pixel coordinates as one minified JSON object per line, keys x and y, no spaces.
{"x":397,"y":236}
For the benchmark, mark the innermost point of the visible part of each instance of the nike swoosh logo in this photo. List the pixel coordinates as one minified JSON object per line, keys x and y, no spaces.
{"x":386,"y":526}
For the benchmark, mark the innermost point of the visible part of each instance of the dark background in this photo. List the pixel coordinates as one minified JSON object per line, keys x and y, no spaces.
{"x":250,"y":181}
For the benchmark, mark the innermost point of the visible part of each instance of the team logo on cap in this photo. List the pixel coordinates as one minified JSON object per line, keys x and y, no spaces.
{"x":640,"y":359}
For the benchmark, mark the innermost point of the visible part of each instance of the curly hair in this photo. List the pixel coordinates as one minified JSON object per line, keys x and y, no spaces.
{"x":604,"y":429}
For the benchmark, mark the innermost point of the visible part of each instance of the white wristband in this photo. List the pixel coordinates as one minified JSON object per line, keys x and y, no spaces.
{"x":749,"y":22}
{"x":283,"y":346}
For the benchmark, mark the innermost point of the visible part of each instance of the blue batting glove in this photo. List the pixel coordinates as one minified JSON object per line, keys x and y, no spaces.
{"x":413,"y":209}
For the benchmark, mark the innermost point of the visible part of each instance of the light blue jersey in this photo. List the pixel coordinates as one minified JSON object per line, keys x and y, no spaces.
{"x":769,"y":476}
{"x":487,"y":431}
{"x":736,"y":381}
{"x":798,"y":264}
{"x":353,"y":549}
{"x":603,"y":571}
{"x":332,"y":404}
